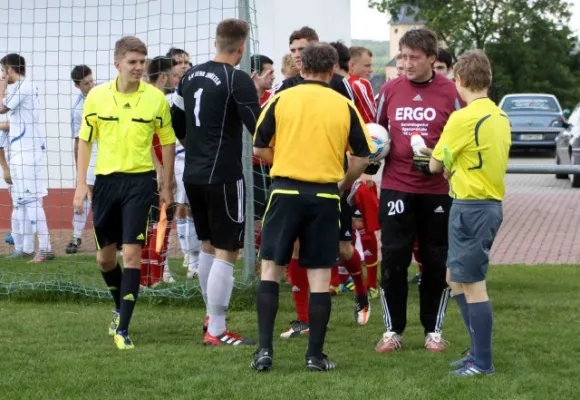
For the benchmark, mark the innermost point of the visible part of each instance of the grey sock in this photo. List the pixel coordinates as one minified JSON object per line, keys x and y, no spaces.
{"x":462,"y":304}
{"x":481,"y":321}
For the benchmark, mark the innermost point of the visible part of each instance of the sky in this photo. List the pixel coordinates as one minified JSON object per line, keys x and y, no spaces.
{"x":368,"y":23}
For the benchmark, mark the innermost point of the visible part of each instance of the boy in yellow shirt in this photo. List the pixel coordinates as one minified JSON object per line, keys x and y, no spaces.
{"x":473,"y":152}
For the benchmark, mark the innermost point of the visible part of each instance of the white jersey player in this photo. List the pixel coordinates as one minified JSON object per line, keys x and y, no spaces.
{"x":26,"y":156}
{"x":82,"y":76}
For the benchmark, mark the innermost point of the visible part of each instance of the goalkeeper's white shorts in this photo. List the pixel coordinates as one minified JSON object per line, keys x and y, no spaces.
{"x":180,"y":195}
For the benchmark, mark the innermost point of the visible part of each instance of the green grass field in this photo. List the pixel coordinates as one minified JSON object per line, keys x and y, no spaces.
{"x":60,"y":350}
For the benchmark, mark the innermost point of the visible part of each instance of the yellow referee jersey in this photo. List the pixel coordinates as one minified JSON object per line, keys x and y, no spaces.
{"x":124,"y":125}
{"x":311,"y":126}
{"x":479,"y":139}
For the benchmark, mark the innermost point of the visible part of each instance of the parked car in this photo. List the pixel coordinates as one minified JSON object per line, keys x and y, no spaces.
{"x":536,"y":119}
{"x":568,"y":146}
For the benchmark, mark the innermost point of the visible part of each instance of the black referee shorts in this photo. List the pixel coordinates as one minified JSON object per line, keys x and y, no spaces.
{"x":308,"y":212}
{"x":219,"y":213}
{"x":121,"y":206}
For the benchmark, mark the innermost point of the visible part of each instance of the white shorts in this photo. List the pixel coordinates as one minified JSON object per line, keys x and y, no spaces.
{"x":180,"y":195}
{"x":29,"y":176}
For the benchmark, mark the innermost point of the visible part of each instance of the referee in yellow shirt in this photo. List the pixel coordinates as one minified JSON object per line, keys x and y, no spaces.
{"x":304,"y":132}
{"x":123,"y":115}
{"x":474,"y":151}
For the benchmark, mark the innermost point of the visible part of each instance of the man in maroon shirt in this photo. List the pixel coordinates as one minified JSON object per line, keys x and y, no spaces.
{"x":413,"y":202}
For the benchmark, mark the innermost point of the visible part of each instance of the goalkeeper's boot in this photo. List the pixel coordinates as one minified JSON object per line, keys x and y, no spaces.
{"x":262,"y":360}
{"x":9,"y":239}
{"x":123,"y":341}
{"x":297,"y":328}
{"x":73,"y":246}
{"x":227,"y":339}
{"x":316,"y":364}
{"x":114,"y":323}
{"x":362,"y":310}
{"x":42,"y":256}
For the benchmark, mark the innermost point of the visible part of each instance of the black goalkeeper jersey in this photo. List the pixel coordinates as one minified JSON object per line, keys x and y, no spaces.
{"x":211,"y":103}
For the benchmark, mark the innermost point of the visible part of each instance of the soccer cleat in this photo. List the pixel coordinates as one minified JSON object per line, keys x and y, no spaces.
{"x":390,"y":341}
{"x":351,"y":198}
{"x":9,"y":239}
{"x":186,"y":260}
{"x":192,"y":273}
{"x":468,"y":358}
{"x":114,"y":323}
{"x":434,"y":342}
{"x":362,"y":310}
{"x":315,"y":364}
{"x":123,"y":341}
{"x":470,"y":369}
{"x":167,"y":277}
{"x":372,"y":293}
{"x":19,"y":254}
{"x":73,"y":246}
{"x":262,"y":360}
{"x":297,"y":328}
{"x":416,"y":280}
{"x":227,"y":338}
{"x":42,"y":256}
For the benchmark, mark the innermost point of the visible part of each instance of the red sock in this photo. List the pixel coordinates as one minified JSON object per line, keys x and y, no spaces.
{"x":370,"y":247}
{"x":334,"y":277}
{"x":354,"y":267}
{"x":300,"y":288}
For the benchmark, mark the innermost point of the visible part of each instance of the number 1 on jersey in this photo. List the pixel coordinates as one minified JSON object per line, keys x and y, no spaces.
{"x":197,"y":97}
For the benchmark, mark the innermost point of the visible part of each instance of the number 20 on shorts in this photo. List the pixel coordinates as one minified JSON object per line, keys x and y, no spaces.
{"x":396,"y":207}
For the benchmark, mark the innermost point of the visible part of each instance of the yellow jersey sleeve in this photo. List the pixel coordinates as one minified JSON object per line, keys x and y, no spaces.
{"x":163,"y":125}
{"x":456,"y":136}
{"x":89,"y":131}
{"x":265,"y":135}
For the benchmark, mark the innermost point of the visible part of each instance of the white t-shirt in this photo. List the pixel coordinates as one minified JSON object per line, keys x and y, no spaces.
{"x":26,"y":136}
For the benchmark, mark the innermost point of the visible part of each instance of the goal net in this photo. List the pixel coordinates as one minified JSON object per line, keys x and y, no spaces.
{"x":53,"y":36}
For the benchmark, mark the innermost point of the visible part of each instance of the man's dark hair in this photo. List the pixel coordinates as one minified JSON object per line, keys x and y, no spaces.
{"x":319,"y":58}
{"x":14,"y":61}
{"x":174,"y":51}
{"x":231,"y":33}
{"x":420,"y":39}
{"x":159,"y":65}
{"x":343,"y":54}
{"x":305,"y":32}
{"x":79,"y":73}
{"x":258,"y":61}
{"x":445,"y":57}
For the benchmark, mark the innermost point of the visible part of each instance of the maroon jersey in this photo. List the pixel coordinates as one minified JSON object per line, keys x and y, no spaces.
{"x":403,"y":108}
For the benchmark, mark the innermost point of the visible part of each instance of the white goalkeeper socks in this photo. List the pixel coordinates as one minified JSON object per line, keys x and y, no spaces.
{"x":205,"y":264}
{"x":79,"y":221}
{"x":37,"y":220}
{"x":17,"y":227}
{"x":219,"y":291}
{"x":182,"y":235}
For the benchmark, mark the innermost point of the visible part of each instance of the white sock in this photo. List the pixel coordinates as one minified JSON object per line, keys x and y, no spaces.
{"x":79,"y":221}
{"x":16,"y":227}
{"x":205,"y":263}
{"x":27,"y":229}
{"x":37,"y":219}
{"x":182,"y":234}
{"x":219,"y":291}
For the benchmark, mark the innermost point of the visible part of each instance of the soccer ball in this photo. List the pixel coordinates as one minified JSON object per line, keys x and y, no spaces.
{"x":381,"y":140}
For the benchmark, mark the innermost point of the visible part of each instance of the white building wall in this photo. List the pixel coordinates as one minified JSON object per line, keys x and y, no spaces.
{"x":55,"y":35}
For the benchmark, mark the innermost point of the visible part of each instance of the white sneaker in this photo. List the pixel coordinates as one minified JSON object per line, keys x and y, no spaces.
{"x":192,"y":273}
{"x":167,"y":277}
{"x":186,"y":260}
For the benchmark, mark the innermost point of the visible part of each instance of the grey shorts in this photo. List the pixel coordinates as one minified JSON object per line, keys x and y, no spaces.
{"x":473,"y":225}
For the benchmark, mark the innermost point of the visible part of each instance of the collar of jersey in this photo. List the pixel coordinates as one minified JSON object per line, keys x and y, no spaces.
{"x":113,"y":87}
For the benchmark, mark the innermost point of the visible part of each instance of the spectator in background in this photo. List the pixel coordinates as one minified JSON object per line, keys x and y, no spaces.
{"x":289,"y":69}
{"x":444,"y":63}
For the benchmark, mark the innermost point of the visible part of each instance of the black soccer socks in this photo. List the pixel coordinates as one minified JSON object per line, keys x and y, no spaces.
{"x":129,"y":293}
{"x":113,"y":280}
{"x":319,"y":314}
{"x":267,"y":307}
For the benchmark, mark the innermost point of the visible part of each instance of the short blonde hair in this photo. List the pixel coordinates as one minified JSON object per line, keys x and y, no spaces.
{"x":474,"y":69}
{"x":129,"y":44}
{"x":289,"y":65}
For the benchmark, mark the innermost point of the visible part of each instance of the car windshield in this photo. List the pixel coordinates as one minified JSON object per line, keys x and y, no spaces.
{"x":530,"y":103}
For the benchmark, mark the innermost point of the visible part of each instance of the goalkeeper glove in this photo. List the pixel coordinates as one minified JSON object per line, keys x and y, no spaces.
{"x":421,"y":163}
{"x":373,"y":168}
